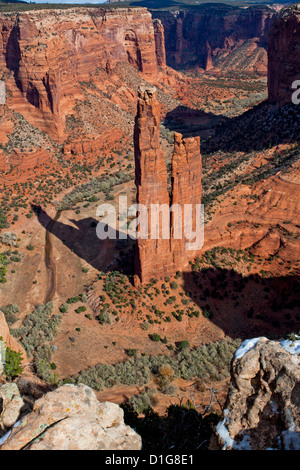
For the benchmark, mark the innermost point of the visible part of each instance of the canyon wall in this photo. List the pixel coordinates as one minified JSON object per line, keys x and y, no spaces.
{"x":165,"y":252}
{"x":220,"y":36}
{"x":284,"y":55}
{"x":46,"y":55}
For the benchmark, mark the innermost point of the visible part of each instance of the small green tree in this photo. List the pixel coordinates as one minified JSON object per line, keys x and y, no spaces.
{"x":155,"y":337}
{"x":13,"y":363}
{"x":183,"y":345}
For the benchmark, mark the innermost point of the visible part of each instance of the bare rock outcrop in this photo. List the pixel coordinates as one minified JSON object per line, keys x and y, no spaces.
{"x":11,"y":405}
{"x":284,"y":55}
{"x":71,"y":418}
{"x":162,"y":245}
{"x":263,"y":405}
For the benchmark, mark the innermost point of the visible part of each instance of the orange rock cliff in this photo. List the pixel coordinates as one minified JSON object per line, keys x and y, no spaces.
{"x":167,"y":252}
{"x":45,"y":55}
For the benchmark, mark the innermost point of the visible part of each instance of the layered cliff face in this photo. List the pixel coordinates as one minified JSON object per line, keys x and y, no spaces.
{"x":284,"y":55}
{"x":46,"y":57}
{"x":219,"y":36}
{"x":161,"y":246}
{"x":263,"y":407}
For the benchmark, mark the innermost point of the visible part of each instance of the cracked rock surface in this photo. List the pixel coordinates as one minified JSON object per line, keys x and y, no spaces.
{"x":71,"y":418}
{"x":263,"y":404}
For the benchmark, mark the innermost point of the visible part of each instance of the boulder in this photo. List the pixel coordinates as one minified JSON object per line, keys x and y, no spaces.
{"x":11,"y":404}
{"x":71,"y":418}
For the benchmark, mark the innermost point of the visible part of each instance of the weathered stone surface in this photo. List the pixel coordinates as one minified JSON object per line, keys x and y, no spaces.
{"x":284,"y":54}
{"x":163,"y":251}
{"x":263,"y":404}
{"x":71,"y":418}
{"x":186,"y":189}
{"x":11,"y":405}
{"x":8,"y":238}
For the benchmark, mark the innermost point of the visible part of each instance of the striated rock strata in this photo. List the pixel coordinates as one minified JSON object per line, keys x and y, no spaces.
{"x":284,"y":55}
{"x":263,"y":405}
{"x":166,"y":252}
{"x":71,"y":418}
{"x":221,"y":36}
{"x":45,"y":56}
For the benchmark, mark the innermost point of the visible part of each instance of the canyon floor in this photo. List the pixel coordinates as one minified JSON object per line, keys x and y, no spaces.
{"x":245,"y":281}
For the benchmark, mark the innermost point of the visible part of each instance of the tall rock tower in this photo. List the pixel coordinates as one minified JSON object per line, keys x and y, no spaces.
{"x":165,"y":252}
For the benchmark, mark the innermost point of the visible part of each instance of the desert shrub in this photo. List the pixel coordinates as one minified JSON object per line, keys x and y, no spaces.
{"x":145,"y":325}
{"x":207,"y":362}
{"x":134,"y":371}
{"x":142,"y":401}
{"x":183,"y":345}
{"x":80,"y":309}
{"x":10,"y":313}
{"x":104,"y":317}
{"x":168,"y":389}
{"x":98,"y":377}
{"x":3,"y":268}
{"x":38,"y":327}
{"x":44,"y":370}
{"x":131,"y":352}
{"x":155,"y":337}
{"x":63,"y":308}
{"x":73,"y":300}
{"x":87,"y":191}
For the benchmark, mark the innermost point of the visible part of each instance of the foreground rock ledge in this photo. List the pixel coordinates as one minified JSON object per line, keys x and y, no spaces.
{"x":71,"y":418}
{"x":263,"y":405}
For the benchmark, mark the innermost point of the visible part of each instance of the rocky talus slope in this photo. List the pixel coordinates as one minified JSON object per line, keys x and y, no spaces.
{"x":284,"y":55}
{"x":69,"y":418}
{"x":263,"y":405}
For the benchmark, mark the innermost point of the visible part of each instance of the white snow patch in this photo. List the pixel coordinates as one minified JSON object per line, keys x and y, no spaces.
{"x":3,"y":438}
{"x":293,"y":347}
{"x":246,"y":346}
{"x":244,"y":444}
{"x":6,"y":436}
{"x":291,"y":439}
{"x":223,"y":432}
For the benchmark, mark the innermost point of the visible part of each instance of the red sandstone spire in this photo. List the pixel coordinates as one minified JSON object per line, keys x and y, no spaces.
{"x":163,"y":256}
